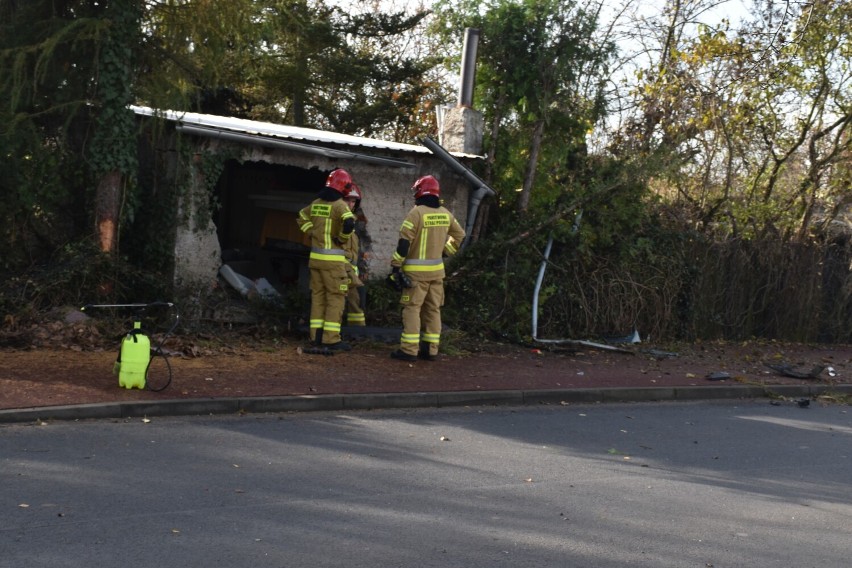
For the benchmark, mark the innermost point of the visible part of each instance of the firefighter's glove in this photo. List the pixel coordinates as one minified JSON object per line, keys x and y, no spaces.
{"x":393,"y":280}
{"x":398,"y":280}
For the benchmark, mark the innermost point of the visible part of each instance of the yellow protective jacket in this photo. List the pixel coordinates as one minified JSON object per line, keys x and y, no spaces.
{"x":323,"y":221}
{"x":351,"y":252}
{"x":431,"y":232}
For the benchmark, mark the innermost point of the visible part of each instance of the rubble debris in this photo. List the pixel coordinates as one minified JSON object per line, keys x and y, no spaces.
{"x":630,"y":338}
{"x":718,"y":376}
{"x":787,"y":370}
{"x":659,"y":355}
{"x":246,"y":286}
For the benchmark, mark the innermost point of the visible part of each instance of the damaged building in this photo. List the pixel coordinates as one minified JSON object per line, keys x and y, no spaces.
{"x":242,"y":224}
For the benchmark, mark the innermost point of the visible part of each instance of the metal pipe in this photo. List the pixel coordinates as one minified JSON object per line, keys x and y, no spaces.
{"x":468,"y":67}
{"x":482,"y":190}
{"x":455,"y":165}
{"x":472,"y":209}
{"x":538,"y":281}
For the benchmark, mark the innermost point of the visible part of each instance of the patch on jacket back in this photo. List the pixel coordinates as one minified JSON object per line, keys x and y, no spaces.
{"x":436,"y":220}
{"x":320,"y":210}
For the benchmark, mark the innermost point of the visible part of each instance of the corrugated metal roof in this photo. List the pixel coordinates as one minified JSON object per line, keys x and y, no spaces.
{"x":269,"y":129}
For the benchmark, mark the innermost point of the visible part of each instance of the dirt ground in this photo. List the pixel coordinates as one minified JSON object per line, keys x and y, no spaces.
{"x":79,"y":370}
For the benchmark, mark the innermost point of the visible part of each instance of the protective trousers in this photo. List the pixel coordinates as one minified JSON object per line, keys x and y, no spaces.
{"x":328,"y":298}
{"x":354,"y":311}
{"x":421,"y":316}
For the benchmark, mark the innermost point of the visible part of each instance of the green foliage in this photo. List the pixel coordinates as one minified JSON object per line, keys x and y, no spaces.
{"x":44,"y":83}
{"x":76,"y":275}
{"x":490,"y":295}
{"x":756,"y":118}
{"x":663,"y":279}
{"x":346,"y":72}
{"x":493,"y":292}
{"x":540,"y":80}
{"x":292,"y":61}
{"x":37,"y":209}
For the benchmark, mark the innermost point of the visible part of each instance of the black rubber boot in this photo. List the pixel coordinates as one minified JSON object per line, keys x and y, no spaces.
{"x":402,"y":356}
{"x":424,"y":352}
{"x":318,"y":338}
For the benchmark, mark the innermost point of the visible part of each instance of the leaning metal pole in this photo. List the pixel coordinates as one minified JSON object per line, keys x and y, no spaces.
{"x":539,"y":280}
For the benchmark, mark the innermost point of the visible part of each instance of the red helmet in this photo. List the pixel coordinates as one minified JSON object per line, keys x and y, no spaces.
{"x":353,"y":191}
{"x":339,"y":180}
{"x":427,"y":185}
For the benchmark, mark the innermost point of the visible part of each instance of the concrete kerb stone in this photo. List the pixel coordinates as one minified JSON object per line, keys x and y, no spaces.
{"x":390,"y":400}
{"x":645,"y":394}
{"x":719,"y":392}
{"x":64,"y":413}
{"x":180,"y":407}
{"x":556,"y":396}
{"x":480,"y":398}
{"x":820,"y":390}
{"x":303,"y":403}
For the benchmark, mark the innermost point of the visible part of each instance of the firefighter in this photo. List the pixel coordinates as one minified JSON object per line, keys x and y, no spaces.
{"x":330,"y":224}
{"x":428,"y":232}
{"x":354,"y":312}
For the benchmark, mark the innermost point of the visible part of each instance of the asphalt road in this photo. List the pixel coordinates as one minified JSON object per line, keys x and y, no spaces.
{"x":651,"y":485}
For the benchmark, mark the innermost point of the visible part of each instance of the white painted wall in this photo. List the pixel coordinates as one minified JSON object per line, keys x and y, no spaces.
{"x":197,"y":251}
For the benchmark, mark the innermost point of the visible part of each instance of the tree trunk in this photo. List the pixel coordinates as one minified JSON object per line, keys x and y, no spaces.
{"x":529,"y":175}
{"x":107,"y":211}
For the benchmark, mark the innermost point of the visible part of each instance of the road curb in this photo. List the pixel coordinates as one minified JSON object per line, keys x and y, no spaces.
{"x":370,"y":401}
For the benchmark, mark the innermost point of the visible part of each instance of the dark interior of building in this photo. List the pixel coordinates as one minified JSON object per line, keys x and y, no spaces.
{"x":257,"y":205}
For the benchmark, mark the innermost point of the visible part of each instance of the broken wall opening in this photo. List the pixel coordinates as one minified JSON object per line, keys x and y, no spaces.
{"x":257,"y":206}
